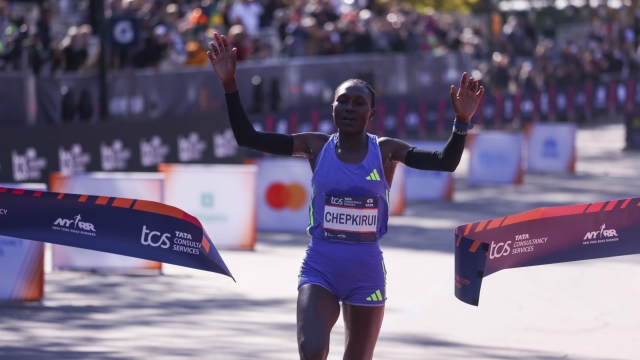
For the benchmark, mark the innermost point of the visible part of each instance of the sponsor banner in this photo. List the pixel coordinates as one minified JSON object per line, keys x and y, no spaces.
{"x":542,"y":102}
{"x":411,"y":116}
{"x":600,"y":97}
{"x":325,"y":120}
{"x":543,"y":236}
{"x":304,"y":119}
{"x":561,"y":104}
{"x":283,"y":192}
{"x":142,"y":186}
{"x":421,"y":185}
{"x":526,"y":107}
{"x":622,"y":93}
{"x":281,"y":123}
{"x":136,"y":228}
{"x":21,"y":261}
{"x":487,"y":110}
{"x":396,"y":194}
{"x":390,"y":124}
{"x":431,"y":116}
{"x":376,"y":126}
{"x":632,"y":124}
{"x":508,"y":111}
{"x":31,"y":154}
{"x":222,"y":197}
{"x":551,"y":148}
{"x":495,"y":158}
{"x":579,"y":101}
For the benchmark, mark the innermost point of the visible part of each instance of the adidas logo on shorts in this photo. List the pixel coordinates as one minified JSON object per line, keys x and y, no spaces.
{"x":376,"y":296}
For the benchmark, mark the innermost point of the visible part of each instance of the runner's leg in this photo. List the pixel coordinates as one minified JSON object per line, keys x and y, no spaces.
{"x":318,"y":311}
{"x":362,"y":326}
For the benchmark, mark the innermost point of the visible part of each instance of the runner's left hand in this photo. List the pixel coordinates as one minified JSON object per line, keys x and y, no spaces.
{"x":465,"y":101}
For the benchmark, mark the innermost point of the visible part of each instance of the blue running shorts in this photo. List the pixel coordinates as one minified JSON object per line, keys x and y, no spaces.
{"x":353,"y":272}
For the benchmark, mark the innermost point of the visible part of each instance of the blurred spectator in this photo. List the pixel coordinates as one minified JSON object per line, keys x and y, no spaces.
{"x":238,"y":39}
{"x":74,"y":48}
{"x":153,"y":49}
{"x":246,"y":13}
{"x":44,"y":32}
{"x":516,"y":51}
{"x":39,"y":56}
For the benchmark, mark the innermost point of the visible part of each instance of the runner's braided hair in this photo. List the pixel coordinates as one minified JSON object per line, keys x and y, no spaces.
{"x":361,"y":83}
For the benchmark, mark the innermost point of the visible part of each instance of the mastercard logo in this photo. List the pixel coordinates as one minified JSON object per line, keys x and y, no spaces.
{"x":292,"y":196}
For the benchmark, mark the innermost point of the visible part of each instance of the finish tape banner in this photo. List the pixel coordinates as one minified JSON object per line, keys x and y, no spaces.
{"x":543,"y":236}
{"x":137,"y":228}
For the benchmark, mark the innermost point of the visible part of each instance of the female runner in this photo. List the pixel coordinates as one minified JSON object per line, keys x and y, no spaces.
{"x":352,"y":175}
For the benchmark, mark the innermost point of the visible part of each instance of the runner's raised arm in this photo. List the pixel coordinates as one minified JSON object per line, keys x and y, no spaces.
{"x":223,"y":60}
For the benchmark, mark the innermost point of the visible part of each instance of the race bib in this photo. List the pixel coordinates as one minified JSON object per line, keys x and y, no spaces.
{"x":350,"y":218}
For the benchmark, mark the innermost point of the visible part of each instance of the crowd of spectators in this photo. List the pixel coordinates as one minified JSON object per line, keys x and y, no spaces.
{"x":519,"y":51}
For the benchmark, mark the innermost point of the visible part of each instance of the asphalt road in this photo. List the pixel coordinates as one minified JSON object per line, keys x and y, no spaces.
{"x":580,"y":310}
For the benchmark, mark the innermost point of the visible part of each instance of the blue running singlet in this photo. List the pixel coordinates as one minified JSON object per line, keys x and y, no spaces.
{"x":349,"y":202}
{"x":348,"y":214}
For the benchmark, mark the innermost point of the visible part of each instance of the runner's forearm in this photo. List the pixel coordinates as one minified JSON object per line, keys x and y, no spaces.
{"x":247,"y":136}
{"x":445,"y":160}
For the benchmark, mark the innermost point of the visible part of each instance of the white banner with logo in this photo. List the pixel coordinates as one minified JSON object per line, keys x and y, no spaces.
{"x":551,"y":148}
{"x":495,"y":158}
{"x":283,"y":194}
{"x":142,"y":186}
{"x":222,"y":197}
{"x":21,"y":261}
{"x":421,"y":185}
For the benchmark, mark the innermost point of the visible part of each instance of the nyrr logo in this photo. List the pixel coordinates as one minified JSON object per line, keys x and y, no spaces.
{"x":154,"y":238}
{"x":114,"y":156}
{"x":73,"y":160}
{"x":498,"y":250}
{"x":600,"y":233}
{"x":190,"y":148}
{"x":28,"y":166}
{"x":75,"y":224}
{"x":153,"y":152}
{"x":224,"y":144}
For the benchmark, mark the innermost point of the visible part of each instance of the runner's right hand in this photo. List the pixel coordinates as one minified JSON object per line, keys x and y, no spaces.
{"x":223,"y":58}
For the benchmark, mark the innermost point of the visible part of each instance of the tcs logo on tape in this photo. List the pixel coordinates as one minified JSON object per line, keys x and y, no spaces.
{"x":291,"y":196}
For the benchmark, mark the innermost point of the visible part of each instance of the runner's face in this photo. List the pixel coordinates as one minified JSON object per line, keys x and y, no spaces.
{"x":352,"y":108}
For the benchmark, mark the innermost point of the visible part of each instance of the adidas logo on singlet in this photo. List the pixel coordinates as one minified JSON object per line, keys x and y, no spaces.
{"x":374,"y":175}
{"x":376,"y":296}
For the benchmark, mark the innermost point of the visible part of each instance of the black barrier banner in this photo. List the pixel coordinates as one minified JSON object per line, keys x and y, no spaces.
{"x":543,"y":236}
{"x":142,"y":229}
{"x":30,"y":154}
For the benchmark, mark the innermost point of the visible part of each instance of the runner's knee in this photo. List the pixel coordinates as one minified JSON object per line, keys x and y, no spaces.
{"x":313,"y":348}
